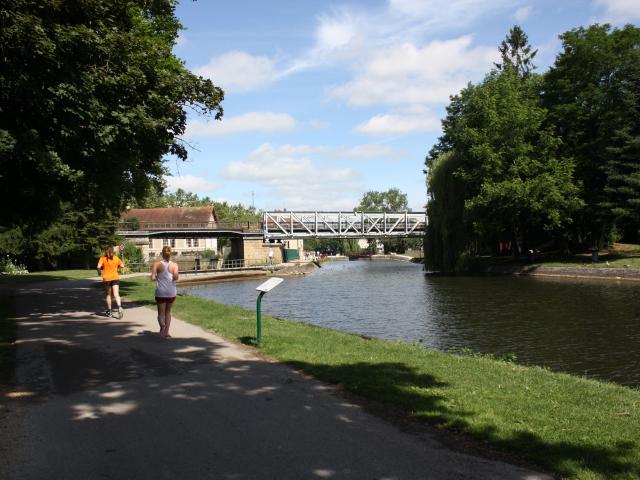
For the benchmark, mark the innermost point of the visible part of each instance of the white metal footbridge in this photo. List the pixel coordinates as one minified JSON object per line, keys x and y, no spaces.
{"x":343,"y":224}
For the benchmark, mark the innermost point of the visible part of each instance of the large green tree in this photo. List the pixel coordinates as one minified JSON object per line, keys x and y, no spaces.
{"x":392,"y":200}
{"x":92,"y":100}
{"x":507,"y":168}
{"x":592,"y":94}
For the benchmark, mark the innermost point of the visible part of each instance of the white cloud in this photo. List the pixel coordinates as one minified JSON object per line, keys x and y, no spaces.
{"x":394,"y":124}
{"x":370,"y":151}
{"x":522,"y":13}
{"x":248,"y":122}
{"x":289,"y":175}
{"x":323,"y":152}
{"x":445,"y":15}
{"x":620,"y":11}
{"x":238,"y":71}
{"x":408,"y":75}
{"x":190,"y":183}
{"x":349,"y":34}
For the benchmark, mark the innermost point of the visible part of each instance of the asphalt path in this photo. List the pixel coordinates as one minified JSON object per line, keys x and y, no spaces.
{"x":101,"y":398}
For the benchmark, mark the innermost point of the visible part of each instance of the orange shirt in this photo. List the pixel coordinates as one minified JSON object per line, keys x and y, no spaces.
{"x":110,"y":267}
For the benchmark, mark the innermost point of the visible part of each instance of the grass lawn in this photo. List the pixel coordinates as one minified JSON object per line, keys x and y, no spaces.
{"x":571,"y":426}
{"x":46,"y":276}
{"x":617,"y":256}
{"x":8,"y":330}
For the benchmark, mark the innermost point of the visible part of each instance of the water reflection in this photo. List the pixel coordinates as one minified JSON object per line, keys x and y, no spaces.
{"x":584,"y":327}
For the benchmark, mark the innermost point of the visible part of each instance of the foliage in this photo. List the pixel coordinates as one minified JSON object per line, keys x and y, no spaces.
{"x":92,"y":100}
{"x":508,"y":180}
{"x":132,"y":254}
{"x":208,"y":254}
{"x":592,"y":96}
{"x":393,"y":200}
{"x":236,"y":212}
{"x":516,"y":53}
{"x":8,"y":267}
{"x":225,"y":211}
{"x":327,"y":246}
{"x":350,"y":246}
{"x":448,"y":229}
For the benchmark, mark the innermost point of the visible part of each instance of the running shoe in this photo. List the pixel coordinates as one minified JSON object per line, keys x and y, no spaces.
{"x":107,"y":313}
{"x":120,"y":312}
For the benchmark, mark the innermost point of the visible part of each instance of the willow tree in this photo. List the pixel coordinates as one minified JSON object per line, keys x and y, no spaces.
{"x":448,"y":233}
{"x":92,"y":100}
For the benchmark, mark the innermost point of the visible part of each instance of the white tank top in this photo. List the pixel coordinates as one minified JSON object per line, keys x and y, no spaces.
{"x":166,"y":286}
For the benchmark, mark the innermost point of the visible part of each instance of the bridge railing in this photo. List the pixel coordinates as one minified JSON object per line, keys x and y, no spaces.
{"x":202,"y":266}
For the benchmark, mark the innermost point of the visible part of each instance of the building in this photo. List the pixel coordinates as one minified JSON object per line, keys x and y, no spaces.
{"x":172,"y":218}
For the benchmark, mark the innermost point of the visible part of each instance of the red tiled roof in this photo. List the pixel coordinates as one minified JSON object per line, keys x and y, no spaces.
{"x":171,"y":215}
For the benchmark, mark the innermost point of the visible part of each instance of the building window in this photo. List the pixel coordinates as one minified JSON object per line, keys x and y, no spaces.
{"x":151,"y":243}
{"x":196,"y":243}
{"x":188,"y":243}
{"x":165,"y":242}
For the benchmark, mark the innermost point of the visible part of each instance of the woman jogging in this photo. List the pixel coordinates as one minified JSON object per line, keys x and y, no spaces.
{"x":108,"y":267}
{"x":165,"y":273}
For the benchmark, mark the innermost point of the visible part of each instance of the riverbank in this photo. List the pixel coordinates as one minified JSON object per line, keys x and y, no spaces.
{"x":284,"y":269}
{"x":569,"y":425}
{"x":626,"y":274}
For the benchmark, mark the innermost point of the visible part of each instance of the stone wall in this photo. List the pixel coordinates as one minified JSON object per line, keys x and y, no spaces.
{"x":254,"y":249}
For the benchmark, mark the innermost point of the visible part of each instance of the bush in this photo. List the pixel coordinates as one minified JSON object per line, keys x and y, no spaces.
{"x":7,"y":267}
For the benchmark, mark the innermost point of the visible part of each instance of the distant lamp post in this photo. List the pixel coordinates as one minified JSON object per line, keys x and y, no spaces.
{"x":264,"y":288}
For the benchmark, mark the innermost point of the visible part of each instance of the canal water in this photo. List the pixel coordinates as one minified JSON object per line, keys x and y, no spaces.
{"x":586,"y":327}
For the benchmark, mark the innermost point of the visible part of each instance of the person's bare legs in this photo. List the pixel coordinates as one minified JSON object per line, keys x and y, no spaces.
{"x":107,"y":298}
{"x":116,"y":295}
{"x":161,"y":312}
{"x":167,"y":319}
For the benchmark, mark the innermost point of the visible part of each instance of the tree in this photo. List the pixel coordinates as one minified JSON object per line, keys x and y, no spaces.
{"x":516,"y":52}
{"x":393,"y":200}
{"x":591,"y":93}
{"x":92,"y":100}
{"x":225,"y":211}
{"x":623,"y":160}
{"x":448,"y":231}
{"x":506,"y":170}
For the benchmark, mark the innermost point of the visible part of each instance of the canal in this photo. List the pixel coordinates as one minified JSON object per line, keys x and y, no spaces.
{"x":587,"y":328}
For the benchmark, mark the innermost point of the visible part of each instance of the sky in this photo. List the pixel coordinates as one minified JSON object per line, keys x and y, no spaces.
{"x":326,"y":100}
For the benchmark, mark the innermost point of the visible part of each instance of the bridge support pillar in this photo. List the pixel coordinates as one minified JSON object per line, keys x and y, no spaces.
{"x":255,"y":250}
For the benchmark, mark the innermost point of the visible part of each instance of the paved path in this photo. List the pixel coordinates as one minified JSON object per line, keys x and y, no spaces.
{"x":112,"y":400}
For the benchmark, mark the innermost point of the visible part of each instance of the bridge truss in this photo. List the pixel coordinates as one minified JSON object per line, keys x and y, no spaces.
{"x":343,"y":225}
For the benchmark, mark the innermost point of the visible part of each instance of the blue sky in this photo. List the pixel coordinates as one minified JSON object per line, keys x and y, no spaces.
{"x":327,"y":100}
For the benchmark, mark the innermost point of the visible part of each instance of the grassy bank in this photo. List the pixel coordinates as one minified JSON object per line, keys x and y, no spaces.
{"x":36,"y":277}
{"x":617,"y":255}
{"x":574,"y":427}
{"x":8,"y":331}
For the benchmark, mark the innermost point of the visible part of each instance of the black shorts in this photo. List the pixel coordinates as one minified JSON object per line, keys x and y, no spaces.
{"x":111,"y":283}
{"x":165,"y":299}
